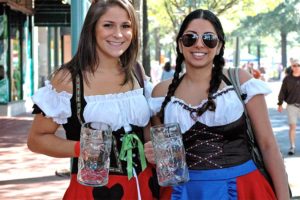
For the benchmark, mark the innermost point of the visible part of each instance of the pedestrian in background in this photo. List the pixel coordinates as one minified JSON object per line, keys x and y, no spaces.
{"x":210,"y":114}
{"x":288,"y":70}
{"x":255,"y":73}
{"x":167,"y":72}
{"x":290,"y":93}
{"x":99,"y":84}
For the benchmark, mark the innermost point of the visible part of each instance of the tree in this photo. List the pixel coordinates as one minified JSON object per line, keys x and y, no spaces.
{"x":178,"y":9}
{"x":175,"y":10}
{"x":146,"y":50}
{"x":284,"y":19}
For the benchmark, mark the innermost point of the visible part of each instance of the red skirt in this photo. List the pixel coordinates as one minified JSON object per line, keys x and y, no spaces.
{"x":119,"y":187}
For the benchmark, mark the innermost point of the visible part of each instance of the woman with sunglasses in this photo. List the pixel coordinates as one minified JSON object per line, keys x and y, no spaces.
{"x":210,"y":115}
{"x":289,"y":93}
{"x":100,"y":84}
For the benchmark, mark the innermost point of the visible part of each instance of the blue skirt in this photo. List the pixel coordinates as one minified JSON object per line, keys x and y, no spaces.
{"x":239,"y":182}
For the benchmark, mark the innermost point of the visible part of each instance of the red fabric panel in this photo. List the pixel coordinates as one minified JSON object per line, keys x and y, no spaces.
{"x":78,"y":191}
{"x":254,"y":186}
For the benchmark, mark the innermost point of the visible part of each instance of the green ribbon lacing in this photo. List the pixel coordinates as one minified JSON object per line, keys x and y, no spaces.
{"x":131,"y":141}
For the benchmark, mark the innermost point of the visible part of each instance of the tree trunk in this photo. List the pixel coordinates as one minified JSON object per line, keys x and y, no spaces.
{"x":283,"y":49}
{"x":145,"y":47}
{"x":249,"y":48}
{"x":258,"y":46}
{"x":157,"y":45}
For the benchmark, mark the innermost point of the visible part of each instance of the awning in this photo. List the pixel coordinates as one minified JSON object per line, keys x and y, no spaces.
{"x":17,"y":7}
{"x":52,"y":13}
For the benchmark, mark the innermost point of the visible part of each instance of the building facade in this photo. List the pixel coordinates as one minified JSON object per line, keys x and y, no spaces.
{"x":16,"y":63}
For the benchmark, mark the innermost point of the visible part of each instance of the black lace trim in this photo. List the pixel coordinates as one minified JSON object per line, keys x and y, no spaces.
{"x":194,"y":111}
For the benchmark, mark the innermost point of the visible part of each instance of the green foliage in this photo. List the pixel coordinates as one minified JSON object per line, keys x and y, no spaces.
{"x":168,"y":14}
{"x":284,"y":18}
{"x":165,"y":16}
{"x":251,"y":20}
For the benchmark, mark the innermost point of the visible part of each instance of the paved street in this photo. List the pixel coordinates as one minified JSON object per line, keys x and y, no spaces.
{"x":27,"y":176}
{"x":280,"y":128}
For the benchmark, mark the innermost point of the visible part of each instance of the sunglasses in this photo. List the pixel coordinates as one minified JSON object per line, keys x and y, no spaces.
{"x":296,"y":65}
{"x":209,"y":39}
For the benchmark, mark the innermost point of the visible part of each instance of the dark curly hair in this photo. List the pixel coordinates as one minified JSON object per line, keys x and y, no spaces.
{"x":219,"y":62}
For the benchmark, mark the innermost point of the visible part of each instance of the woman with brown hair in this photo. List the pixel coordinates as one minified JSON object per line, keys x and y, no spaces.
{"x":99,"y":84}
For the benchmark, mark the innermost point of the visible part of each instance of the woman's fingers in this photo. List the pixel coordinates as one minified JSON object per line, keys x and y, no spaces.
{"x":149,"y":152}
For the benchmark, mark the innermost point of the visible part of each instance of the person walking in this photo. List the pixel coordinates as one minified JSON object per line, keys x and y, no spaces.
{"x":167,"y":72}
{"x":289,"y":93}
{"x":211,"y":117}
{"x":288,"y":70}
{"x":100,"y":84}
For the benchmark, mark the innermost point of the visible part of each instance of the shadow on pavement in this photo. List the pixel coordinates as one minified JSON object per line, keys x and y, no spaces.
{"x":33,"y":180}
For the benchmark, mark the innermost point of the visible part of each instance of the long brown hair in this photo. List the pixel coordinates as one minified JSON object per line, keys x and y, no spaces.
{"x":86,"y":58}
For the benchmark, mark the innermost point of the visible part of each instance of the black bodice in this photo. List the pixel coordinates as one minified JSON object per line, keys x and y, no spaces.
{"x":73,"y":126}
{"x":216,"y":147}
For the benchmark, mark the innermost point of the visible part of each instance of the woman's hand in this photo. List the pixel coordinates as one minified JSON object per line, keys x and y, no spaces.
{"x":149,"y":152}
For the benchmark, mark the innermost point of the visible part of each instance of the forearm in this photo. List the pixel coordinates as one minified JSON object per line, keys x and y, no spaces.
{"x":282,"y":93}
{"x":52,"y":145}
{"x":257,"y":110}
{"x":275,"y":166}
{"x":281,"y":97}
{"x":42,"y":139}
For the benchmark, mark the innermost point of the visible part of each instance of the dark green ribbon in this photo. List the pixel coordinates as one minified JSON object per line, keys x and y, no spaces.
{"x":131,"y":141}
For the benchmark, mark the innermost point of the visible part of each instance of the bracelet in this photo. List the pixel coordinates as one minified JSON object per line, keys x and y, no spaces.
{"x":77,"y":149}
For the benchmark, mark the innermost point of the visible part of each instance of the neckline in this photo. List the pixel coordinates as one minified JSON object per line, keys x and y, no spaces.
{"x":223,"y":90}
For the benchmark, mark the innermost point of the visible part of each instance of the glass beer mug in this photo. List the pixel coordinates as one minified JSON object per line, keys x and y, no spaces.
{"x":94,"y":159}
{"x":169,"y":153}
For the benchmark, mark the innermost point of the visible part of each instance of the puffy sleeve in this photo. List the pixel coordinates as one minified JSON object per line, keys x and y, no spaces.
{"x":148,"y":87}
{"x":254,"y":87}
{"x":53,"y":104}
{"x":155,"y":104}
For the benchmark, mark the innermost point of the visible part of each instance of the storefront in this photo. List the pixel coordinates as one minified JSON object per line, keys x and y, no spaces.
{"x":16,"y":63}
{"x":31,"y":48}
{"x":52,"y":38}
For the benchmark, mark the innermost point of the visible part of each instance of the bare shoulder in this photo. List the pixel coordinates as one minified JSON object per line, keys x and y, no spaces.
{"x":62,"y":81}
{"x":161,"y":89}
{"x":243,"y":75}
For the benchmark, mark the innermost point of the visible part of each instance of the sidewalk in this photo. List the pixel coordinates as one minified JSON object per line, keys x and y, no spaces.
{"x":292,"y":163}
{"x":25,"y":175}
{"x":29,"y":176}
{"x":280,"y":128}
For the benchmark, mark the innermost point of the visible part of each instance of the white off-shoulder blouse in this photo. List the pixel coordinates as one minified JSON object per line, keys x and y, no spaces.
{"x":118,"y":110}
{"x":228,"y":106}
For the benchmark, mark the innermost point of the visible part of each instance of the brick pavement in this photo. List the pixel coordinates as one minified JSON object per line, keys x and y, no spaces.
{"x":25,"y":175}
